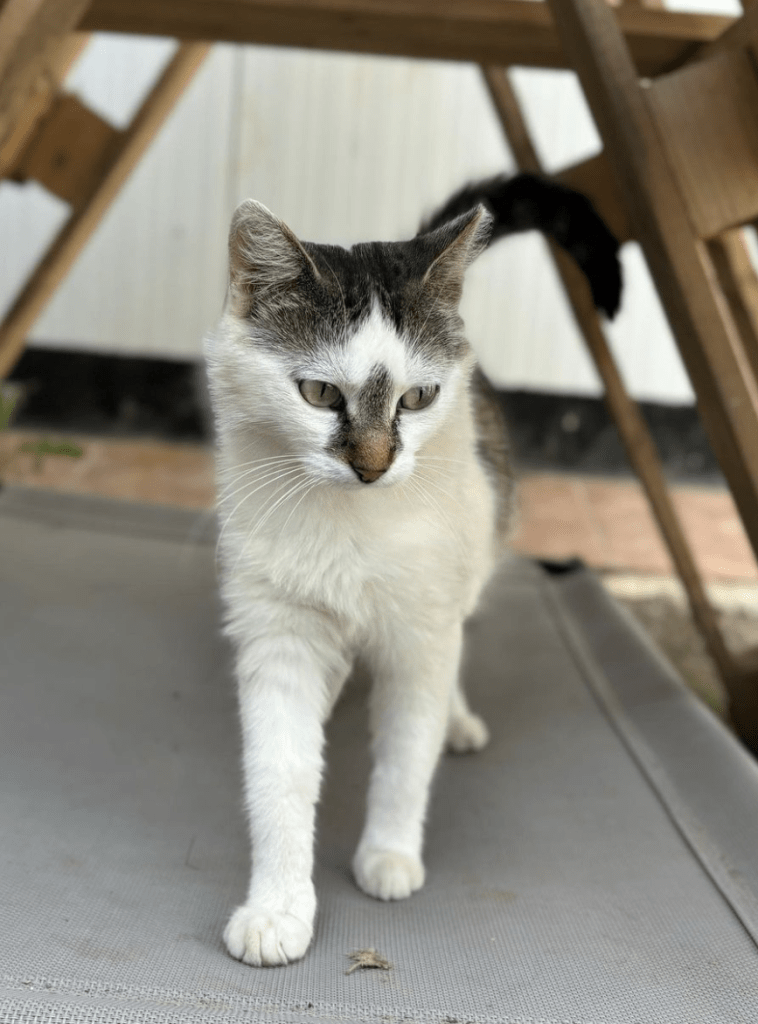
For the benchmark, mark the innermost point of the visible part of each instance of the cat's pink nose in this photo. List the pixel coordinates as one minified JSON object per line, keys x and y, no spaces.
{"x":367,"y":474}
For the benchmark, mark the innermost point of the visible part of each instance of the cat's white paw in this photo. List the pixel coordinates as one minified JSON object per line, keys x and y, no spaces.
{"x":266,"y":938}
{"x":466,"y":734}
{"x":387,"y":875}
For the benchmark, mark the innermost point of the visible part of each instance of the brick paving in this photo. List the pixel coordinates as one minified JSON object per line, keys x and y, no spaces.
{"x":607,"y":523}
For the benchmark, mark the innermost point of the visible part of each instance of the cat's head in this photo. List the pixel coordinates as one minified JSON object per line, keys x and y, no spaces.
{"x":347,"y":360}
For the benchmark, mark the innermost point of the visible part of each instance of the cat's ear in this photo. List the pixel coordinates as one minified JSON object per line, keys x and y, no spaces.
{"x":454,"y":246}
{"x":264,"y":254}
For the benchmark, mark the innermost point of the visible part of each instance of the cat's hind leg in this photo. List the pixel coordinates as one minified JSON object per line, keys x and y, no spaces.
{"x":413,"y":682}
{"x":466,"y":732}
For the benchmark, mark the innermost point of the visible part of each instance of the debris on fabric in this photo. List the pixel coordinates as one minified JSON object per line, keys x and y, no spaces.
{"x":363,"y":959}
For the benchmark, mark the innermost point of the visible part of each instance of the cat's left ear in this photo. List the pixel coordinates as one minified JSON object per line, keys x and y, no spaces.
{"x":265,"y":256}
{"x":453,"y":247}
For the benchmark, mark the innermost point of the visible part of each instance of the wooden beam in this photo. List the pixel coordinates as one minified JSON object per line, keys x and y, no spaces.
{"x":707,"y":118}
{"x":56,"y":262}
{"x":488,"y":31}
{"x":708,"y":340}
{"x":31,"y":32}
{"x":69,"y":151}
{"x":740,"y":286}
{"x":633,"y":430}
{"x":42,"y":92}
{"x":741,"y":34}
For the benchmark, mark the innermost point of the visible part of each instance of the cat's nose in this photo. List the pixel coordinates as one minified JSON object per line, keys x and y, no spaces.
{"x":366,"y":474}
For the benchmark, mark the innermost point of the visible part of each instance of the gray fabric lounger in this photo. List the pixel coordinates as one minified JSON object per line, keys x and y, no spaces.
{"x":597,"y":864}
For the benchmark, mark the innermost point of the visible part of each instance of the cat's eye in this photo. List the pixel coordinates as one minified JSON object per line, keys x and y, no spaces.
{"x":419,"y":398}
{"x":321,"y":394}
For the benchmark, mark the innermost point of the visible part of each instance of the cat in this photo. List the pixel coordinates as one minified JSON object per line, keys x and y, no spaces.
{"x":365,"y":499}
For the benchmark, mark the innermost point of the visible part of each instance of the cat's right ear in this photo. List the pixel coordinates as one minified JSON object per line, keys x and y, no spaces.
{"x":265,"y":256}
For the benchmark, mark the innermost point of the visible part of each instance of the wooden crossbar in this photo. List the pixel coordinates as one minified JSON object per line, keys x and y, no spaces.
{"x":31,"y":32}
{"x":501,"y":32}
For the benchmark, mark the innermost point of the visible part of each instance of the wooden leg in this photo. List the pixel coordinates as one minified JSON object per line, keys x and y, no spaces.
{"x":740,"y":286}
{"x":132,"y":143}
{"x":631,"y":426}
{"x":706,"y":334}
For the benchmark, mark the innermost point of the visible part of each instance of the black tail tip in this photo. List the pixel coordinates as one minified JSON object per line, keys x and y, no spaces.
{"x":606,"y":282}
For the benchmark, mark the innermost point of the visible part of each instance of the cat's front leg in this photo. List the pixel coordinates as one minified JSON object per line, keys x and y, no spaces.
{"x":414,"y":678}
{"x":285,"y":682}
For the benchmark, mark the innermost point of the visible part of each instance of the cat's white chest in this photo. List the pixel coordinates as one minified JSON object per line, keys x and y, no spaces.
{"x":362,"y":557}
{"x":344,"y":563}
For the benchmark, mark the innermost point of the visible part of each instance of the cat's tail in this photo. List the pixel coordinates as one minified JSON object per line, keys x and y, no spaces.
{"x":528,"y":202}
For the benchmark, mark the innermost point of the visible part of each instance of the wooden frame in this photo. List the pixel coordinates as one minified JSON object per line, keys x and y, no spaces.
{"x":31,"y":34}
{"x":497,"y":32}
{"x":633,"y":119}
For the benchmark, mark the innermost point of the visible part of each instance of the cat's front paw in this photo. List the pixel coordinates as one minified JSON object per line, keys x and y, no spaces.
{"x":466,"y":734}
{"x":387,"y":875}
{"x":266,"y":938}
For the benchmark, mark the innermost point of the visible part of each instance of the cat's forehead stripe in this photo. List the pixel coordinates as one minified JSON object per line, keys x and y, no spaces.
{"x":373,"y":400}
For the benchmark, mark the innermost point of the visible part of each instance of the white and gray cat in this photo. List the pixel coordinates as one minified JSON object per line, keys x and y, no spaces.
{"x":364,"y":501}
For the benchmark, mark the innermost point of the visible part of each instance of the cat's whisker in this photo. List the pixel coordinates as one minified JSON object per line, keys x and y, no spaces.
{"x":252,"y":487}
{"x":440,"y":471}
{"x":297,"y":505}
{"x":272,"y":481}
{"x":293,"y":489}
{"x":268,"y":472}
{"x":271,"y":459}
{"x":261,"y":470}
{"x":257,"y":469}
{"x":296,"y":485}
{"x":442,"y":458}
{"x":251,"y":444}
{"x":287,"y":489}
{"x":447,"y":493}
{"x":435,"y":505}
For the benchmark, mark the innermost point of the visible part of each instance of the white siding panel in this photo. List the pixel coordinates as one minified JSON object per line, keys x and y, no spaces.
{"x":346,"y":148}
{"x":29,"y":219}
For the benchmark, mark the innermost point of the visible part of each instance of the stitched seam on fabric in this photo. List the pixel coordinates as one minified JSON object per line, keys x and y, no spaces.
{"x":243,"y":1005}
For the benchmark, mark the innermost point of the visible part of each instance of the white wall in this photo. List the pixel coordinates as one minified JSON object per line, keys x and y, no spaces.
{"x":344,"y":148}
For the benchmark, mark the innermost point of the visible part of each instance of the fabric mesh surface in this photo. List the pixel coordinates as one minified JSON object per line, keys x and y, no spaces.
{"x":559,"y":889}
